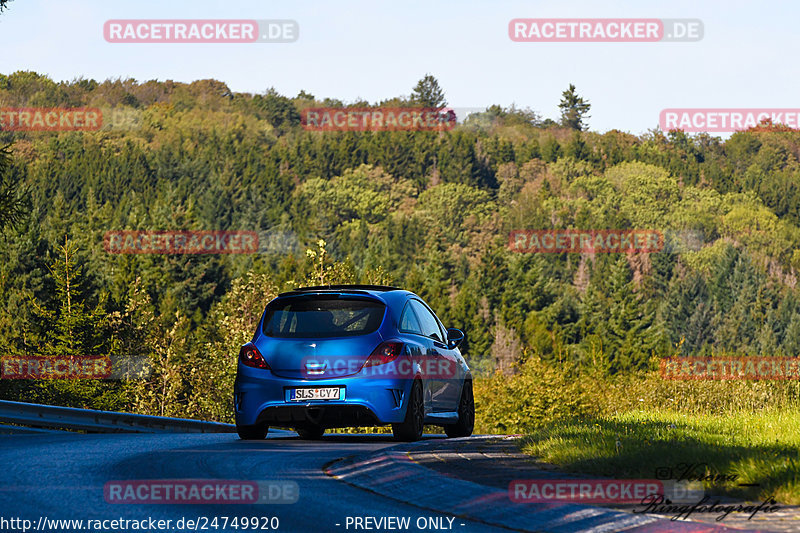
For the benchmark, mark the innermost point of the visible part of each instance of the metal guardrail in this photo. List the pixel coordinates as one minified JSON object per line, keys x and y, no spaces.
{"x":20,"y":430}
{"x":50,"y":416}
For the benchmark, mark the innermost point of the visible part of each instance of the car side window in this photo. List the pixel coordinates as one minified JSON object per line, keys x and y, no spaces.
{"x":430,"y":328}
{"x":409,"y":322}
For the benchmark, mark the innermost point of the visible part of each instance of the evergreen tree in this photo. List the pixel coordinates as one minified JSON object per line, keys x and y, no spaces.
{"x":13,"y":206}
{"x":73,"y":329}
{"x":632,"y":335}
{"x":279,"y":110}
{"x":686,"y":313}
{"x":574,"y":109}
{"x":428,"y":93}
{"x":551,"y":149}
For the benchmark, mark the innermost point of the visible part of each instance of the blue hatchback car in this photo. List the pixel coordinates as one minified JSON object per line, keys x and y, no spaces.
{"x":352,"y":355}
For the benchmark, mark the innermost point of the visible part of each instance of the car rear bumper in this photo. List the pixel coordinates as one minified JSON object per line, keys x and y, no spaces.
{"x":262,"y":397}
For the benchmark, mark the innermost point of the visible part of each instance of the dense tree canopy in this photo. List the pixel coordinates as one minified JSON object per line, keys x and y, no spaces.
{"x":430,"y":211}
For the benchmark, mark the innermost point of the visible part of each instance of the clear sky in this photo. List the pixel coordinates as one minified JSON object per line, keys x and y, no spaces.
{"x":373,"y":49}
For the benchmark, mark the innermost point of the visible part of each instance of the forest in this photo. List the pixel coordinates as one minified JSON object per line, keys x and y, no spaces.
{"x":429,"y":211}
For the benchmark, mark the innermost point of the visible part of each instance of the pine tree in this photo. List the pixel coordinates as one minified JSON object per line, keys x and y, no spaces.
{"x":13,"y":205}
{"x":77,"y":330}
{"x":73,"y":329}
{"x":427,"y":93}
{"x":573,"y":109}
{"x":632,"y":335}
{"x":685,"y":312}
{"x":740,"y":313}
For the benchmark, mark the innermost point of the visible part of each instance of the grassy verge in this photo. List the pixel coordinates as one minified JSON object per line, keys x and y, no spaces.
{"x":728,"y":450}
{"x":739,"y":432}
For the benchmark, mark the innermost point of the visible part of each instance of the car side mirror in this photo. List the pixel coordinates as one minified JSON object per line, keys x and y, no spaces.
{"x":454,"y":338}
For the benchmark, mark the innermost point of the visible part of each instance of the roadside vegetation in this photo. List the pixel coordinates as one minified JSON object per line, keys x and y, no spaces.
{"x":640,"y":426}
{"x":564,"y":347}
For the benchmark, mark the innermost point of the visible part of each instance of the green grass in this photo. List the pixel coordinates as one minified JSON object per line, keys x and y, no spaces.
{"x":756,"y":447}
{"x":624,"y":426}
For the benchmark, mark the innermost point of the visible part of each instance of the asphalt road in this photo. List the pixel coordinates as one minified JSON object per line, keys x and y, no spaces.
{"x":62,"y":477}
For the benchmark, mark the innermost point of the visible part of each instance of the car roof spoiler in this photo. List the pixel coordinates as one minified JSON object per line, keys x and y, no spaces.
{"x":357,"y":289}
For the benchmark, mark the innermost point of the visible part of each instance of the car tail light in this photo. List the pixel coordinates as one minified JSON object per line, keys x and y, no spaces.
{"x":386,"y":352}
{"x":250,"y":356}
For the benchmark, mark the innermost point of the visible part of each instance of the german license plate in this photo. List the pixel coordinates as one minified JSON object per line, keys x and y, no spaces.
{"x":322,"y":393}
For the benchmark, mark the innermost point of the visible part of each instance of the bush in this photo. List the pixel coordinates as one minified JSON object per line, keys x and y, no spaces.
{"x":543,"y":393}
{"x":539,"y":394}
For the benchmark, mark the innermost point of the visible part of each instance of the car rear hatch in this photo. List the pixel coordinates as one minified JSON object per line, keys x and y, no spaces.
{"x":320,"y":335}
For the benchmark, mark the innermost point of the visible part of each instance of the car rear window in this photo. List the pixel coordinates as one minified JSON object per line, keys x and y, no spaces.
{"x":322,"y":317}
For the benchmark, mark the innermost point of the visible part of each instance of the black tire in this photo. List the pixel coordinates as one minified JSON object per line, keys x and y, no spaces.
{"x":466,"y":414}
{"x":256,"y":432}
{"x":410,"y":429}
{"x":311,"y":432}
